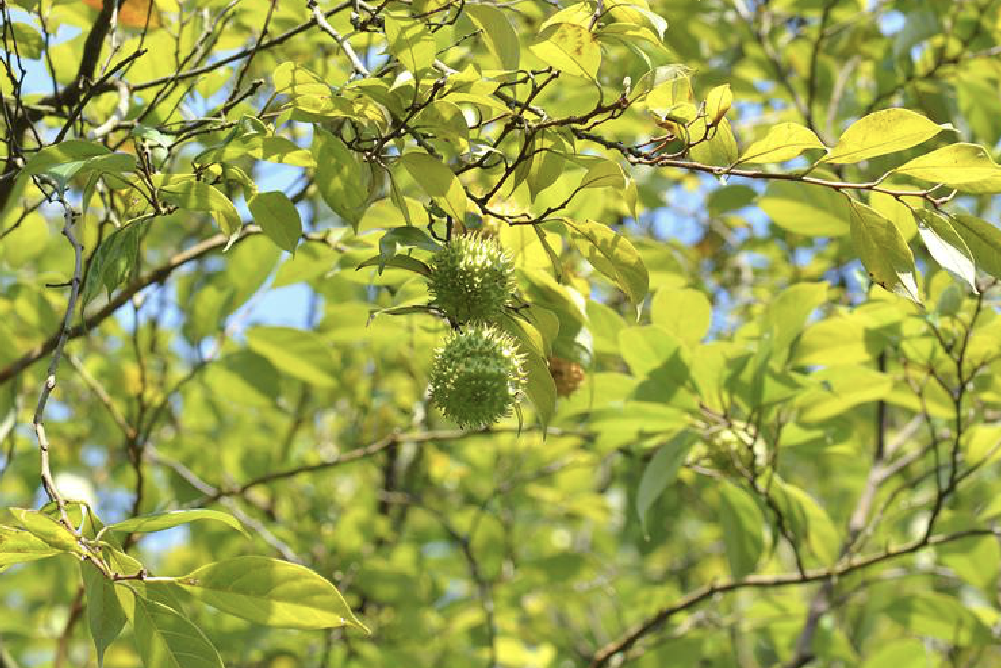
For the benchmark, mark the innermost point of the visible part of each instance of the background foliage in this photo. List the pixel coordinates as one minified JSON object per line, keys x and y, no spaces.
{"x":757,"y":253}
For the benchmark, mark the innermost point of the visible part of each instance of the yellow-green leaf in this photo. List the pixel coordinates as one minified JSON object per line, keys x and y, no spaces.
{"x":983,"y":240}
{"x":105,"y":616}
{"x":626,"y":267}
{"x":18,"y":546}
{"x":883,"y":251}
{"x":571,"y":48}
{"x":172,"y":518}
{"x":271,"y":592}
{"x":438,"y":181}
{"x":165,"y":639}
{"x":952,"y":165}
{"x":499,"y":35}
{"x":339,"y":177}
{"x":411,"y":42}
{"x":718,"y":103}
{"x":685,"y":313}
{"x":883,"y":132}
{"x":783,"y":142}
{"x":278,"y":217}
{"x":47,"y":529}
{"x":604,"y":174}
{"x":946,"y":246}
{"x":807,"y":209}
{"x":201,"y":196}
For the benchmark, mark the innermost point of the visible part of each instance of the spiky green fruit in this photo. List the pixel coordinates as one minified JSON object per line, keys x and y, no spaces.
{"x":477,"y":376}
{"x":472,"y":278}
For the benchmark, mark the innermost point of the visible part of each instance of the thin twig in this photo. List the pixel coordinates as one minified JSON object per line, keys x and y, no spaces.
{"x":57,"y":353}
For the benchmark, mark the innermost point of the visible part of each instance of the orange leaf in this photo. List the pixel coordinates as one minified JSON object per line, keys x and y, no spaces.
{"x":133,"y":13}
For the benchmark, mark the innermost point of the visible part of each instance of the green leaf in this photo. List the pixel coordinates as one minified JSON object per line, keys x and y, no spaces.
{"x":741,"y":523}
{"x":105,"y":615}
{"x":270,"y":592}
{"x":115,"y":260}
{"x":808,"y":521}
{"x":883,"y":132}
{"x":806,"y":209}
{"x":622,"y":264}
{"x":662,"y":470}
{"x":896,"y":211}
{"x":840,"y":388}
{"x":278,"y":217}
{"x":18,"y":546}
{"x":685,"y":313}
{"x":883,"y":251}
{"x":339,"y":177}
{"x":68,"y":151}
{"x":547,"y":161}
{"x":716,"y":144}
{"x":983,"y":240}
{"x":295,"y":80}
{"x":298,"y":353}
{"x":946,"y":246}
{"x":569,"y":47}
{"x":783,"y":142}
{"x":411,"y":42}
{"x":939,"y":616}
{"x":165,"y":639}
{"x":438,"y":181}
{"x":909,"y":652}
{"x":172,"y":518}
{"x":663,"y":88}
{"x":397,"y":262}
{"x":657,"y":358}
{"x":787,"y":314}
{"x":499,"y":35}
{"x":201,"y":196}
{"x":952,"y":165}
{"x":47,"y":529}
{"x":540,"y":388}
{"x":975,"y":560}
{"x":28,"y":40}
{"x":604,"y":174}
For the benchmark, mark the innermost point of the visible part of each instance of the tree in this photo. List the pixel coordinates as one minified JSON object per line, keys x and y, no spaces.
{"x":750,"y":318}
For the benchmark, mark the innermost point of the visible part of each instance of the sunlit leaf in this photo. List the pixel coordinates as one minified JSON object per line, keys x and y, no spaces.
{"x":883,"y":251}
{"x":783,"y":142}
{"x":165,"y":639}
{"x":946,"y":246}
{"x":271,"y":592}
{"x":172,"y":518}
{"x":882,"y":132}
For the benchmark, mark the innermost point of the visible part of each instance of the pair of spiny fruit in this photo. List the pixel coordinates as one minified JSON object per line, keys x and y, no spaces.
{"x":477,"y":374}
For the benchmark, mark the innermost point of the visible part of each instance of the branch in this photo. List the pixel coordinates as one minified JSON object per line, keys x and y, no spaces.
{"x":68,"y":97}
{"x":158,"y":275}
{"x":604,"y":655}
{"x":363,"y":453}
{"x":192,"y":479}
{"x":57,"y":352}
{"x":321,"y":21}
